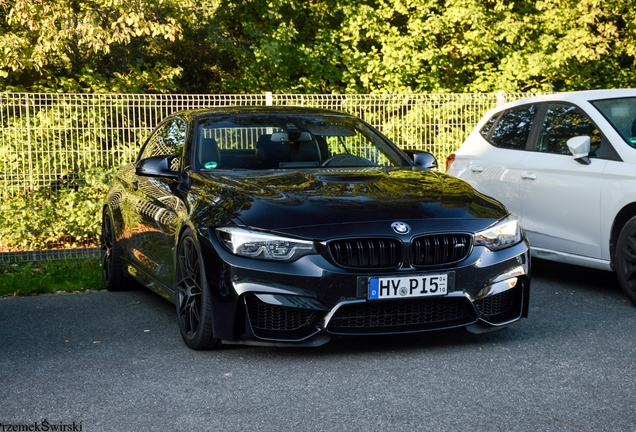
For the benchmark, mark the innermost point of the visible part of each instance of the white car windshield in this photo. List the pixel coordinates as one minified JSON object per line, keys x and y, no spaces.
{"x":621,"y":113}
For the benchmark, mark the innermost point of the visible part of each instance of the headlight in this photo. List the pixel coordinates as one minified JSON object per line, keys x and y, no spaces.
{"x":258,"y":245}
{"x":501,"y":235}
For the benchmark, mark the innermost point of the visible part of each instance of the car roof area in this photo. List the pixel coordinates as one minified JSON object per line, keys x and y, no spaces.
{"x":252,"y":110}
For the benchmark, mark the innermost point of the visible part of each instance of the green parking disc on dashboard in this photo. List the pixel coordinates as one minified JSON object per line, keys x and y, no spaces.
{"x":210,"y":165}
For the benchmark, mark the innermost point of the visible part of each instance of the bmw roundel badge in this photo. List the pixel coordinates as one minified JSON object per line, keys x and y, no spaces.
{"x":401,"y":227}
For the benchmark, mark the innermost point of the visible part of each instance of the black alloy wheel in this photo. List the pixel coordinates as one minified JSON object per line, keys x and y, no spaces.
{"x":626,"y":259}
{"x":194,"y":307}
{"x":112,"y":274}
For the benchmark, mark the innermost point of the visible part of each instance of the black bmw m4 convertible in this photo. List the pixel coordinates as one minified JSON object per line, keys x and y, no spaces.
{"x":290,"y":225}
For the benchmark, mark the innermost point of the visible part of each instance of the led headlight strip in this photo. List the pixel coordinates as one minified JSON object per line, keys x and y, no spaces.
{"x":503,"y":234}
{"x":260,"y":245}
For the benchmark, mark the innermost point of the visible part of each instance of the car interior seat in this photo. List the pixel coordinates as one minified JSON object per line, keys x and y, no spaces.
{"x":306,"y":151}
{"x":209,"y":156}
{"x":270,"y":154}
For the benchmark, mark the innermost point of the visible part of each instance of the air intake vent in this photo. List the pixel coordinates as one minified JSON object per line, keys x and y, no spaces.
{"x":366,"y":253}
{"x":497,"y":304}
{"x":400,"y":316}
{"x":440,"y":249}
{"x":264,"y":316}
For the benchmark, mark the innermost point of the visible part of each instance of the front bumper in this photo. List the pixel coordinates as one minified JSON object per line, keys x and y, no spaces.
{"x":306,"y":302}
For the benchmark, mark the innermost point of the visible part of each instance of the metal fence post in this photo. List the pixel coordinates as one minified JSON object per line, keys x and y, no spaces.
{"x":29,"y":148}
{"x":501,"y":97}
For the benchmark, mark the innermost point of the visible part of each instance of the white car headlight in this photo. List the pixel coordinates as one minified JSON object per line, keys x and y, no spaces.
{"x":264,"y":246}
{"x":501,"y":235}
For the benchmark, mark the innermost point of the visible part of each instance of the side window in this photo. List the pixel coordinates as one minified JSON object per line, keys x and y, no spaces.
{"x":167,"y":140}
{"x":513,"y":128}
{"x":562,"y":122}
{"x":485,"y":130}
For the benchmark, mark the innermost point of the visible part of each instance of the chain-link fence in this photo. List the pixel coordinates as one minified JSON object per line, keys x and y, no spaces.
{"x":59,"y":151}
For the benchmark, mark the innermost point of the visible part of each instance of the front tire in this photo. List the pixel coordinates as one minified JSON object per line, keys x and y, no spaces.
{"x":194,"y":306}
{"x":626,"y":259}
{"x":112,"y":273}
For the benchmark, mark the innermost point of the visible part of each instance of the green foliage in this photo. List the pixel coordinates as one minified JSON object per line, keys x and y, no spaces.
{"x":448,"y":119}
{"x":413,"y":46}
{"x":30,"y":278}
{"x":55,"y":180}
{"x":321,"y":46}
{"x":88,"y":46}
{"x":49,"y":218}
{"x":159,"y":78}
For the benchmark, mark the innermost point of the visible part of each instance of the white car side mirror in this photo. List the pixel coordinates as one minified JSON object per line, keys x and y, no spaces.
{"x":580,"y":148}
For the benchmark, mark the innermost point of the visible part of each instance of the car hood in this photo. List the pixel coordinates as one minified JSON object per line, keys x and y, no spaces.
{"x":286,"y":201}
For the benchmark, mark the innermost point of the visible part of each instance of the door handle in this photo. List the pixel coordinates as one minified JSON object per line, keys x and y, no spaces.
{"x":529,"y":176}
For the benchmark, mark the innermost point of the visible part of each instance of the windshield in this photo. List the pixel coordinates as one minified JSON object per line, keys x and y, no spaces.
{"x":621,"y":113}
{"x":283,"y":141}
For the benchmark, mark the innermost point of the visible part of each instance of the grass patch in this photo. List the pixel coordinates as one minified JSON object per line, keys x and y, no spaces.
{"x":31,"y":278}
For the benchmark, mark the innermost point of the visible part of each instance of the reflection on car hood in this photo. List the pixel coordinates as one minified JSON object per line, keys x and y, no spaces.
{"x":285,"y":200}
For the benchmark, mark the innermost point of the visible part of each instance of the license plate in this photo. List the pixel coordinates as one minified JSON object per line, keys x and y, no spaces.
{"x":408,"y":286}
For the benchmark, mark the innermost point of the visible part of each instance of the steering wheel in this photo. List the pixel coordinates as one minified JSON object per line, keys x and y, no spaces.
{"x":347,"y":160}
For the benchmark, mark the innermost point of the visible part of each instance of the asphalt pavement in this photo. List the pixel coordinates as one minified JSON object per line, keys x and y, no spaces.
{"x":102,"y":361}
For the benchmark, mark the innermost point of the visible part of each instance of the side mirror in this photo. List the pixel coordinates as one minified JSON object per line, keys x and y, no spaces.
{"x":422,"y":159}
{"x":156,"y":166}
{"x":580,"y":148}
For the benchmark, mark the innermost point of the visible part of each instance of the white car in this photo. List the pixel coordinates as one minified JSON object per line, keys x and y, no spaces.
{"x":566,"y":165}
